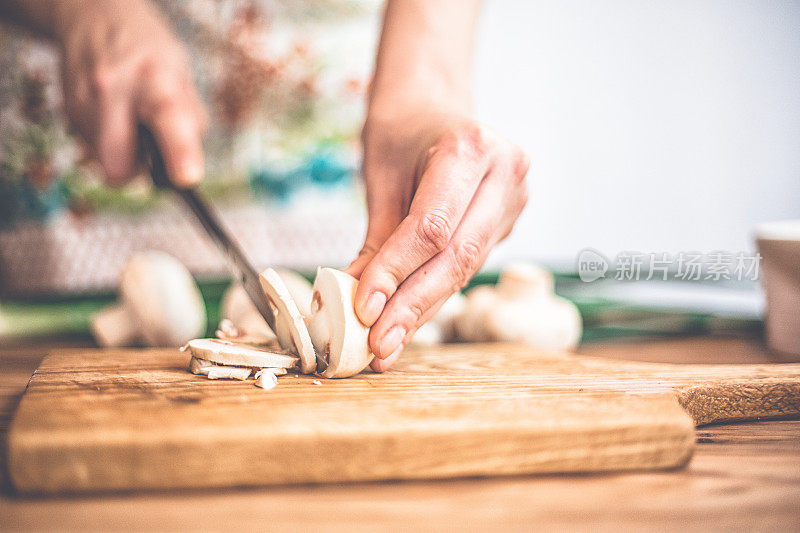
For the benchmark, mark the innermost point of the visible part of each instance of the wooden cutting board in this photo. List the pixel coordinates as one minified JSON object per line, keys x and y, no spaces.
{"x":135,"y":419}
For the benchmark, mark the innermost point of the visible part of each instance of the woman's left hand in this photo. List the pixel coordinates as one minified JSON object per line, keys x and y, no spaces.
{"x":442,"y":190}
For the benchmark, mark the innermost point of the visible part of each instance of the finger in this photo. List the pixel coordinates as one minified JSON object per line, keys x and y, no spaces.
{"x":177,"y":129}
{"x":382,"y":365}
{"x":114,"y":141}
{"x":76,"y":104}
{"x":197,"y":106}
{"x":445,"y":190}
{"x":365,"y":255}
{"x":488,"y":220}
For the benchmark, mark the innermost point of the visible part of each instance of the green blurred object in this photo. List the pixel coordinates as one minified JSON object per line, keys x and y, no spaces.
{"x":50,"y":318}
{"x":602,"y":319}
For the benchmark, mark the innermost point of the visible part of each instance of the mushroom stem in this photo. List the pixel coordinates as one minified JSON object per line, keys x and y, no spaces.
{"x":114,"y":325}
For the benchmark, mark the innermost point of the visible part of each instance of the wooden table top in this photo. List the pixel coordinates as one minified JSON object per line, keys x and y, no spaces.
{"x":741,"y":475}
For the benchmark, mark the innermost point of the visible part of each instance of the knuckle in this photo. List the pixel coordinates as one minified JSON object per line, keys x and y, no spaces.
{"x":367,"y":249}
{"x":467,"y":258}
{"x":468,"y":141}
{"x":521,"y":162}
{"x":416,"y":311}
{"x":161,"y":80}
{"x":165,"y":106}
{"x":521,"y":200}
{"x":434,"y":231}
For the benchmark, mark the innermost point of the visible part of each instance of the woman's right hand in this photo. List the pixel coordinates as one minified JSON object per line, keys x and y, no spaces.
{"x":122,"y":66}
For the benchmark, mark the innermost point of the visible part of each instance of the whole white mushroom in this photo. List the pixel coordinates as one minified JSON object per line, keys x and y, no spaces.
{"x":522,"y":308}
{"x":470,"y":323}
{"x":159,"y":305}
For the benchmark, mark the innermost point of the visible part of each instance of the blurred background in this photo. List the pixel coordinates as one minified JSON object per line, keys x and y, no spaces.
{"x":653,"y":127}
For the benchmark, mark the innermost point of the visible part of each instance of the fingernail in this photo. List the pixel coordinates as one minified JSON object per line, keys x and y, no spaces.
{"x":382,"y":365}
{"x":190,"y":173}
{"x":373,"y":308}
{"x":391,"y":341}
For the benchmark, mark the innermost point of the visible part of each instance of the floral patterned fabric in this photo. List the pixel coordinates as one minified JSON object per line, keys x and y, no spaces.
{"x":283,"y":80}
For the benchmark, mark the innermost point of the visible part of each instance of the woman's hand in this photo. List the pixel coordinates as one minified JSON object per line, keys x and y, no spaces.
{"x":122,"y":66}
{"x":442,"y":190}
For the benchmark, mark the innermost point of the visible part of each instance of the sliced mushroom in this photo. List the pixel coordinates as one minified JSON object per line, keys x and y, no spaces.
{"x":237,"y":308}
{"x":274,"y":371}
{"x":227,"y":331}
{"x":290,"y":326}
{"x":199,"y":366}
{"x":229,"y":372}
{"x":228,"y":353}
{"x":337,"y":333}
{"x":299,"y":288}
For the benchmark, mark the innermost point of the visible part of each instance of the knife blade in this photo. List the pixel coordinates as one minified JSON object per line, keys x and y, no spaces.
{"x":239,"y":266}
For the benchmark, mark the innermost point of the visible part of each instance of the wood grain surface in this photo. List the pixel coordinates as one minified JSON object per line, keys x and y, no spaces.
{"x":120,"y":420}
{"x":743,"y":476}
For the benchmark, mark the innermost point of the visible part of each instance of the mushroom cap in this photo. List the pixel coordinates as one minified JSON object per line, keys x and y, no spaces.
{"x":445,"y":317}
{"x":470,"y":323}
{"x":335,"y":329}
{"x":552,"y":323}
{"x":428,"y":334}
{"x":525,"y":280}
{"x":160,"y":293}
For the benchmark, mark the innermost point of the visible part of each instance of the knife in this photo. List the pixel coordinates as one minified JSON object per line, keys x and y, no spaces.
{"x":239,"y":266}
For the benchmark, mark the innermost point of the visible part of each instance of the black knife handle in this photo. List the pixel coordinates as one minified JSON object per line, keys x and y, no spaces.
{"x":150,"y":155}
{"x":238,"y":264}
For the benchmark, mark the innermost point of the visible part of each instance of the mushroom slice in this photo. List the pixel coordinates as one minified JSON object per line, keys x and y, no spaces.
{"x":199,"y":366}
{"x":227,"y":331}
{"x":228,"y":372}
{"x":337,"y":333}
{"x":298,"y":287}
{"x":289,"y":323}
{"x":240,"y":311}
{"x":274,"y":371}
{"x":228,"y":353}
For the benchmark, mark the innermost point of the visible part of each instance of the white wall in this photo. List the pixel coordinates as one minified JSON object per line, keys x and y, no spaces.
{"x":652,"y":125}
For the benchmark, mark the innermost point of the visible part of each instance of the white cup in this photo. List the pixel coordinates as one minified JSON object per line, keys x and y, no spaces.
{"x":779,"y":246}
